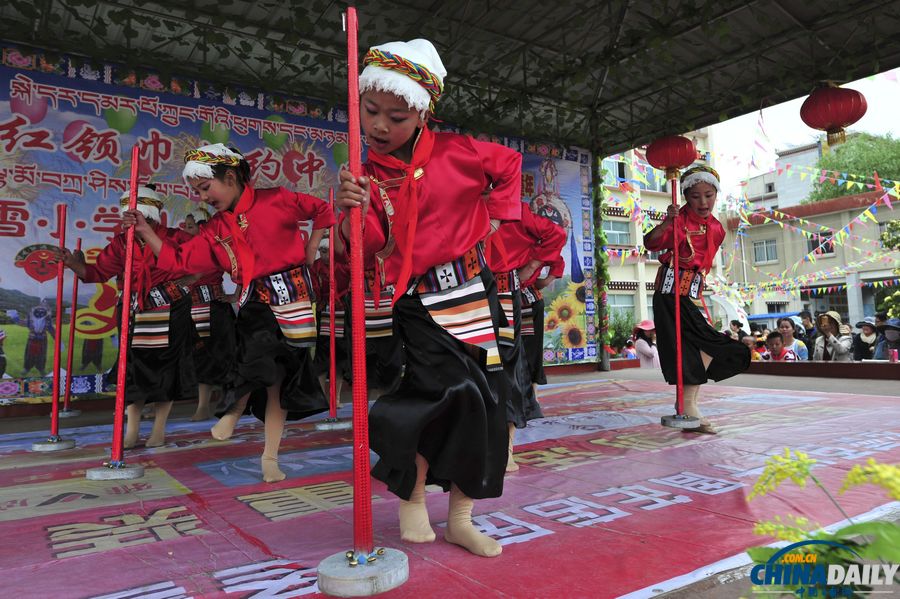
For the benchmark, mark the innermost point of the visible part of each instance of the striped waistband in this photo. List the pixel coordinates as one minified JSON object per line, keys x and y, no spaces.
{"x":164,"y":294}
{"x":203,"y":294}
{"x":282,"y":288}
{"x":454,"y":273}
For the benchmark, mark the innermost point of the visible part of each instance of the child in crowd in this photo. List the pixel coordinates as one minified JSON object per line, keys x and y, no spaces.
{"x":778,"y":352}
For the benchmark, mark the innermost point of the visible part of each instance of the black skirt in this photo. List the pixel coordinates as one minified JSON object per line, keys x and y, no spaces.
{"x":729,"y":357}
{"x":521,"y":403}
{"x":163,"y":374}
{"x":214,"y":355}
{"x":322,"y":357}
{"x":445,"y":409}
{"x":263,"y":357}
{"x":384,"y":355}
{"x":534,"y":345}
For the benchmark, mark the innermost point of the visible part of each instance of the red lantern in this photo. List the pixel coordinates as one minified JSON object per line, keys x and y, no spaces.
{"x":832,"y":108}
{"x":671,"y":154}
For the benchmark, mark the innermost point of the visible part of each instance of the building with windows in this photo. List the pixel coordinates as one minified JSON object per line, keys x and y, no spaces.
{"x":794,"y":255}
{"x":639,"y":198}
{"x":790,"y":182}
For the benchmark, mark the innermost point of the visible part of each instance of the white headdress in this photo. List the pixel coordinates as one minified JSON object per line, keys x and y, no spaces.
{"x":412,"y":70}
{"x":149,"y":202}
{"x":198,"y":163}
{"x":699,"y":174}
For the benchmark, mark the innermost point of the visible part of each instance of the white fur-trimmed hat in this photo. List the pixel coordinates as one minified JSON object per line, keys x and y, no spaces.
{"x":149,"y":203}
{"x":411,"y":70}
{"x":699,"y":174}
{"x":198,"y":163}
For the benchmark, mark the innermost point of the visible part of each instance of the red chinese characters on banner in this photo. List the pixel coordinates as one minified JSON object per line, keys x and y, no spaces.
{"x":154,"y":151}
{"x":13,"y":216}
{"x":264,"y":163}
{"x":90,"y":145}
{"x":296,"y":164}
{"x":107,"y":219}
{"x":15,"y":135}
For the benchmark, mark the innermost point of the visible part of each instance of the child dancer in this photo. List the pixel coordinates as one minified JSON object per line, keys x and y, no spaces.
{"x":160,"y":366}
{"x":254,"y":236}
{"x":706,"y":353}
{"x":520,"y":249}
{"x":213,"y":319}
{"x":444,"y":424}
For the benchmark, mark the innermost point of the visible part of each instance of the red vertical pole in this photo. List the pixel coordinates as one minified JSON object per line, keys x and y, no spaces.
{"x":676,"y":256}
{"x":117,"y":457}
{"x":61,"y":211}
{"x":362,"y":499}
{"x":332,"y":369}
{"x":68,"y":393}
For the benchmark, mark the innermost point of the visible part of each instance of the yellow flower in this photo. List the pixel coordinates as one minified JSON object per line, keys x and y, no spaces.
{"x":565,"y":309}
{"x":575,"y":290}
{"x":886,"y":476}
{"x":573,"y":336}
{"x":780,"y":468}
{"x":795,"y":530}
{"x":552,"y":322}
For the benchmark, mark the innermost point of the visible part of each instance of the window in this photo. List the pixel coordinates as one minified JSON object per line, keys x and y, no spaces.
{"x":822,"y":244}
{"x":770,"y":188}
{"x":765,"y":251}
{"x":653,"y":255}
{"x":649,"y":307}
{"x":656,"y":179}
{"x":614,"y":171}
{"x":617,"y":232}
{"x":622,"y":305}
{"x":776,"y":307}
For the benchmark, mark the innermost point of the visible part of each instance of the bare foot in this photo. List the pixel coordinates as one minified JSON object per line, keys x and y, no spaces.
{"x":156,"y":441}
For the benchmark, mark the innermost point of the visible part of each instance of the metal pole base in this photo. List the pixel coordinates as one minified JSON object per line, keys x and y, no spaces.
{"x":334,"y":425}
{"x":53,"y":444}
{"x":387,"y":571}
{"x":115,"y":472}
{"x":680,"y":421}
{"x":69,"y":413}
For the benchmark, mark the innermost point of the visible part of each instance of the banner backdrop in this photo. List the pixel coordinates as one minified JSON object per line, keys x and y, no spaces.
{"x":66,"y":133}
{"x":556,"y":184}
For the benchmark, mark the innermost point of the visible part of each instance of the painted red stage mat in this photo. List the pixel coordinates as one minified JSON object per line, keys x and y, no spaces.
{"x":606,"y":502}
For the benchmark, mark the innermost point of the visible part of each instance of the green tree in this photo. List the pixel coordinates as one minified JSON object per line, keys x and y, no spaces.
{"x":861,"y":154}
{"x":887,"y":299}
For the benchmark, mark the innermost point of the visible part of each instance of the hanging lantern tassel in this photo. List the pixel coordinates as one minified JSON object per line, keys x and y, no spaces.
{"x":832,"y":109}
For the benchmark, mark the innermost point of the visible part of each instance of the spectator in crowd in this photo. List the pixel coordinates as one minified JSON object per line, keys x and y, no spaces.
{"x":778,"y":351}
{"x":765,"y":332}
{"x":736,"y":328}
{"x":761,"y":348}
{"x":628,"y":351}
{"x":834,"y":342}
{"x":890,"y":340}
{"x":880,"y":319}
{"x":865,"y":341}
{"x":786,"y":327}
{"x":645,"y":344}
{"x":750,"y":342}
{"x":809,"y":333}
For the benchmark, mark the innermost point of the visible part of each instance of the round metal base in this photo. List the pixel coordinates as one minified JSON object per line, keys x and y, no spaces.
{"x":680,"y":421}
{"x":126,"y":472}
{"x":339,"y":579}
{"x":69,"y":413}
{"x":334,"y":425}
{"x":48,"y":445}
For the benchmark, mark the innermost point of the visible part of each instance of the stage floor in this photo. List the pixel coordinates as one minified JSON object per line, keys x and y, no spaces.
{"x":606,"y":503}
